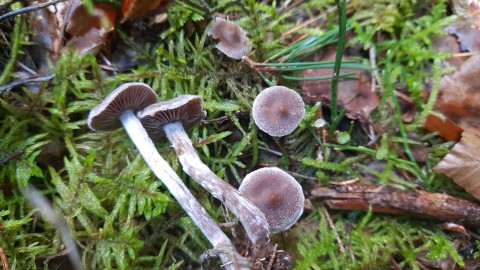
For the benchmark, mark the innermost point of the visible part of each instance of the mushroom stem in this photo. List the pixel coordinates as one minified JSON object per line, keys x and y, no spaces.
{"x":180,"y":192}
{"x":252,"y":218}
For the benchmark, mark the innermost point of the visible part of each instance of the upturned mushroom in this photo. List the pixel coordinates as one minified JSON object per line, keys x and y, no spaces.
{"x":119,"y":109}
{"x":168,"y":119}
{"x":278,"y":110}
{"x":277,"y":194}
{"x":232,"y":39}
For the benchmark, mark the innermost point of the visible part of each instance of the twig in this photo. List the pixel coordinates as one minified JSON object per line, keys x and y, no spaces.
{"x":41,"y":203}
{"x":12,"y":156}
{"x":332,"y":226}
{"x":25,"y":81}
{"x":389,"y":200}
{"x":272,"y":258}
{"x":28,"y":9}
{"x":3,"y":257}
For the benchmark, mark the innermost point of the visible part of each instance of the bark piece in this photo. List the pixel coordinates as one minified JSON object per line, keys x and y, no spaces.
{"x":388,"y":200}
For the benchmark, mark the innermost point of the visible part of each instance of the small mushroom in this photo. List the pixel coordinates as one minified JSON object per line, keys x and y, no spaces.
{"x":167,"y":119}
{"x":118,"y":109}
{"x":233,"y":39}
{"x":278,"y":110}
{"x":277,"y":194}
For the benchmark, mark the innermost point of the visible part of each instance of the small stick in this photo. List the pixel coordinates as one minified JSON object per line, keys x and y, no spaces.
{"x":388,"y":200}
{"x":25,"y":81}
{"x":43,"y":205}
{"x":12,"y":156}
{"x":28,"y":9}
{"x":272,"y":258}
{"x":3,"y":257}
{"x":332,"y":226}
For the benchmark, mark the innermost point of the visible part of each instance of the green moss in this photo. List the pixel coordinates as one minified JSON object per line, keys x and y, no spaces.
{"x":122,"y":217}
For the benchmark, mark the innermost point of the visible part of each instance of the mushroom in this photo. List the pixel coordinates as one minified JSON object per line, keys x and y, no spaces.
{"x":119,"y":109}
{"x":277,"y":194}
{"x":168,"y":119}
{"x":278,"y":110}
{"x":233,"y":40}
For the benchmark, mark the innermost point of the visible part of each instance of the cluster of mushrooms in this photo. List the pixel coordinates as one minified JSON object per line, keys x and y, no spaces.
{"x":269,"y":200}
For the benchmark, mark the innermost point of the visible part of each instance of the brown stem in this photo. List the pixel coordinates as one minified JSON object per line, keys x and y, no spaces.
{"x":388,"y":200}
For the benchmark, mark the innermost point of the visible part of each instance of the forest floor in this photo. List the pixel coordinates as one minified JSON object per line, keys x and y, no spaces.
{"x":385,"y":153}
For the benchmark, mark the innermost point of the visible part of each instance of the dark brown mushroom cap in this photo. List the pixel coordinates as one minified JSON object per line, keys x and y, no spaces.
{"x":233,"y":39}
{"x":278,"y":110}
{"x":186,"y":109}
{"x":128,"y":96}
{"x":277,"y":194}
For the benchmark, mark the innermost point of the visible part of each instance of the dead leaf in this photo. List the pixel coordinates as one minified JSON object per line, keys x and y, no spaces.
{"x":138,"y":9}
{"x":462,"y":164}
{"x":469,"y":10}
{"x":90,"y":31}
{"x":468,"y":36}
{"x":449,"y":44}
{"x":445,"y":128}
{"x":354,"y":95}
{"x":80,"y":21}
{"x":459,"y":97}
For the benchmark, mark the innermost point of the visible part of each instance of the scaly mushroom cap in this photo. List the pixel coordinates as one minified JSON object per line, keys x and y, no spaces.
{"x":233,"y":40}
{"x":186,"y":109}
{"x":278,"y":110}
{"x":128,"y":96}
{"x":277,"y":194}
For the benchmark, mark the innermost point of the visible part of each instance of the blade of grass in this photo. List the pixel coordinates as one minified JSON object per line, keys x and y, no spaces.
{"x":342,"y":29}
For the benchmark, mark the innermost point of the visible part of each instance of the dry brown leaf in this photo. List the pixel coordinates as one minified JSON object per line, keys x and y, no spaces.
{"x":459,"y":97}
{"x":354,"y":95}
{"x":468,"y":36}
{"x":90,"y":31}
{"x":445,"y":128}
{"x":138,"y":9}
{"x":462,"y":164}
{"x":469,"y":10}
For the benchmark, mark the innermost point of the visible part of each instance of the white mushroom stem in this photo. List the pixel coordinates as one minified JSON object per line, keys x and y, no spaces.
{"x":230,"y":258}
{"x":252,"y":218}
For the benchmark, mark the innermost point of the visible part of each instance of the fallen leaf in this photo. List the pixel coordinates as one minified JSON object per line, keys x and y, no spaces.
{"x":90,"y":31}
{"x":445,"y":128}
{"x":449,"y":44}
{"x":468,"y":36}
{"x":459,"y":97}
{"x":80,"y":21}
{"x":354,"y":95}
{"x":469,"y":10}
{"x":462,"y":164}
{"x":138,"y":9}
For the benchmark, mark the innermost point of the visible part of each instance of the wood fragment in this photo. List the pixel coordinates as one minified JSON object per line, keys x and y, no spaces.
{"x":3,"y":258}
{"x":389,"y":200}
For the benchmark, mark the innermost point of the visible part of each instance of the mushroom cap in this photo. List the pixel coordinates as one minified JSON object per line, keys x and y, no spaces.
{"x":186,"y":109}
{"x":278,"y":110}
{"x":233,"y":39}
{"x":128,"y":96}
{"x":277,"y":194}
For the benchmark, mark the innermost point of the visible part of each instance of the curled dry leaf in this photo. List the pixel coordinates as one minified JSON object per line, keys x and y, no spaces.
{"x":445,"y":128}
{"x":462,"y":164}
{"x":468,"y":10}
{"x":459,"y":97}
{"x":90,"y":31}
{"x":354,"y":95}
{"x":468,"y":36}
{"x":138,"y":9}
